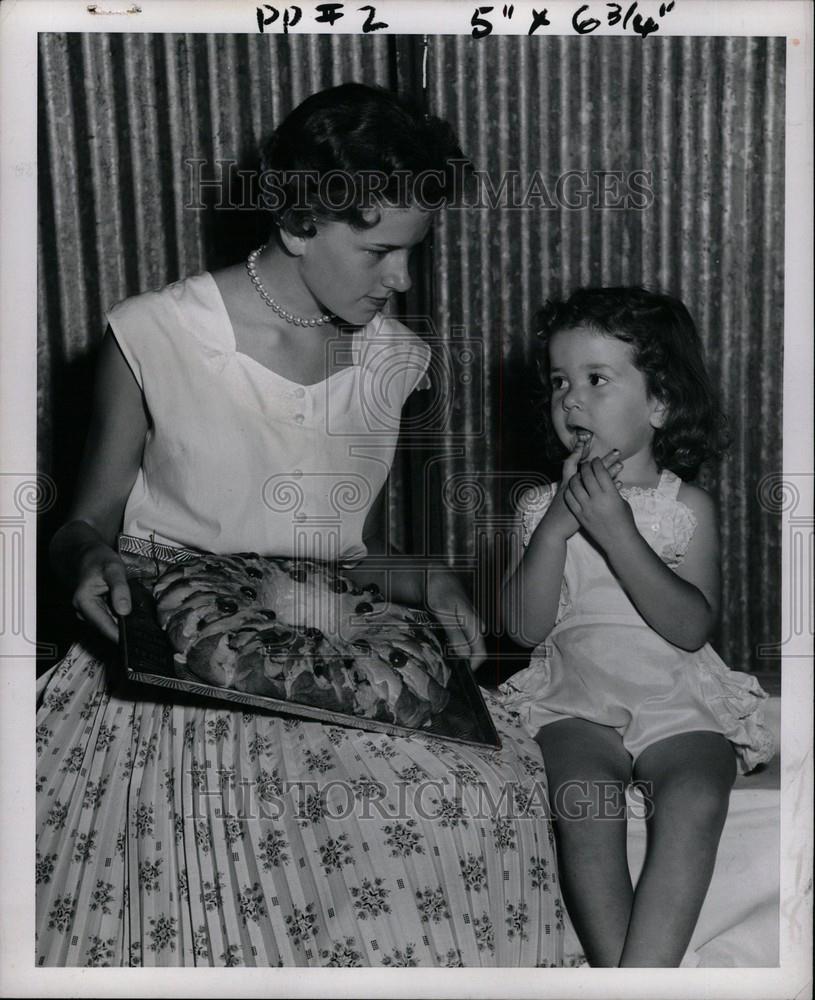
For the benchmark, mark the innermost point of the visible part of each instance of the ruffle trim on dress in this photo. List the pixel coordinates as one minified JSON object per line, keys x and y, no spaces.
{"x":533,"y":504}
{"x":666,"y":524}
{"x":735,"y":699}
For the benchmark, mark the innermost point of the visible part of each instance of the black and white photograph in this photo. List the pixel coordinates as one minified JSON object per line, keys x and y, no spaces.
{"x":407,"y":498}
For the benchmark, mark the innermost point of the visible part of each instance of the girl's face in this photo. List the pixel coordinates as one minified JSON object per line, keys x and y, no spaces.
{"x":352,"y":273}
{"x":600,"y":397}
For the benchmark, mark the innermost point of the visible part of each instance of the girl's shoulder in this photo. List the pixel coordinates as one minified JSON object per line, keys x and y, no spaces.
{"x":697,"y":500}
{"x":669,"y":515}
{"x":531,"y":504}
{"x":535,"y":497}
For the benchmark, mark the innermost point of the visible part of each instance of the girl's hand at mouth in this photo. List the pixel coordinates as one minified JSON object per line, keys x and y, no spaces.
{"x":592,"y":497}
{"x":560,"y":518}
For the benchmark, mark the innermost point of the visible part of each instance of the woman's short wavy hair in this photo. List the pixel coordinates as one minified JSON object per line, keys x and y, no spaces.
{"x":353,"y":148}
{"x":666,"y":348}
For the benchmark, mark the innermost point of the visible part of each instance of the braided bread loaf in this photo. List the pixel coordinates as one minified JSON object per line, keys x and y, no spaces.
{"x":296,"y":631}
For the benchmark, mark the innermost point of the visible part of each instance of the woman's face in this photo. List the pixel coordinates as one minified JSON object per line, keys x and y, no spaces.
{"x":352,"y":273}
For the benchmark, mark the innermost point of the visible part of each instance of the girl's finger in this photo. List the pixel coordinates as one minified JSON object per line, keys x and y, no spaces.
{"x":588,"y":477}
{"x":577,"y":489}
{"x":611,"y":457}
{"x":602,"y":477}
{"x":572,"y":503}
{"x":572,"y":460}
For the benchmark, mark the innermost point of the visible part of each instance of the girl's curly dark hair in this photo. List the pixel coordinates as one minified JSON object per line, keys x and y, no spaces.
{"x":666,"y":348}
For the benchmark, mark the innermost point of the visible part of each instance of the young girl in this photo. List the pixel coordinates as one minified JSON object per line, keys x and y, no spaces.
{"x":620,"y":578}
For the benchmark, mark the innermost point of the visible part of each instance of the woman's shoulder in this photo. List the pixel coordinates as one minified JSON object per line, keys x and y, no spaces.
{"x":386,"y":330}
{"x":156,"y":300}
{"x":386,"y":344}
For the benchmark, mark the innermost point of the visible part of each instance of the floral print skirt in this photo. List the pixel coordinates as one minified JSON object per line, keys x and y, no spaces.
{"x":174,"y":835}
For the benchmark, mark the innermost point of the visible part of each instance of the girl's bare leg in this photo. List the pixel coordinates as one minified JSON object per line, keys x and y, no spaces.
{"x":691,"y":776}
{"x":587,"y":770}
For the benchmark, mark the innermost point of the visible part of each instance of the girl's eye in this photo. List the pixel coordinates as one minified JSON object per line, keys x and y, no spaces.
{"x":558,"y":381}
{"x":378,"y":254}
{"x":596,"y":379}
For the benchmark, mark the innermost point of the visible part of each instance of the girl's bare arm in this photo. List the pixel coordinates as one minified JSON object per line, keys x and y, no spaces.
{"x":681,"y":604}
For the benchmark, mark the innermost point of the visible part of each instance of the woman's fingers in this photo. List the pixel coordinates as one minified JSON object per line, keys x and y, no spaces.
{"x":105,"y":587}
{"x":94,"y":610}
{"x":464,"y":630}
{"x":116,"y":579}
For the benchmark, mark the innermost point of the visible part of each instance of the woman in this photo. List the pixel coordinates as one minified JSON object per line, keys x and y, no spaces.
{"x":171,"y":834}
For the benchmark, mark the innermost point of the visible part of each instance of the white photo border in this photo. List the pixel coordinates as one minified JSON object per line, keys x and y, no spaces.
{"x":20,"y":23}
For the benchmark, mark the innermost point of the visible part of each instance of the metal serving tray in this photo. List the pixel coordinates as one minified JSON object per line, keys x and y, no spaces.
{"x":148,"y":659}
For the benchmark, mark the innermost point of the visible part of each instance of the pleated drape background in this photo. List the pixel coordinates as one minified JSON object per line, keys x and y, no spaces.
{"x":686,"y":136}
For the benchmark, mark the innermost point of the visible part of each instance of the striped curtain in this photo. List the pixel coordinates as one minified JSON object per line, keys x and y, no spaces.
{"x":604,"y":160}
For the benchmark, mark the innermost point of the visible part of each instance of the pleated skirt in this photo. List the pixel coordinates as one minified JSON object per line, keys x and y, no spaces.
{"x":169,"y":834}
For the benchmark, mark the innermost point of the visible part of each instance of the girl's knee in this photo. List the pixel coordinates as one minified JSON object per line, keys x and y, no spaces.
{"x":596,"y":798}
{"x":686,"y":802}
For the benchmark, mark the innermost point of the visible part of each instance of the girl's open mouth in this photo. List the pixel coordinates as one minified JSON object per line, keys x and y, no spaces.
{"x":582,"y":436}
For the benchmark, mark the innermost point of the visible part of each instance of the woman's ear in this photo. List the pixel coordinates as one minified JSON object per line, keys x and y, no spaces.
{"x":295,"y":230}
{"x":292,"y":244}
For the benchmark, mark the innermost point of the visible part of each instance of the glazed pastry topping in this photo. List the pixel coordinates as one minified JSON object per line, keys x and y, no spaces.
{"x":297,"y":631}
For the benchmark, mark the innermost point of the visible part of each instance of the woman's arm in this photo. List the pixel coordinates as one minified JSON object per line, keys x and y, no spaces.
{"x":682,"y":605}
{"x":81,"y":551}
{"x":422,"y":582}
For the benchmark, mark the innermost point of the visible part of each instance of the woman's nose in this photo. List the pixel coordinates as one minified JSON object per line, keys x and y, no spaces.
{"x":397,"y":275}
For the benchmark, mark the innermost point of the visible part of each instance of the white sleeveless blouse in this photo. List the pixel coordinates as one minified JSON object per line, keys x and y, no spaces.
{"x":239,"y":458}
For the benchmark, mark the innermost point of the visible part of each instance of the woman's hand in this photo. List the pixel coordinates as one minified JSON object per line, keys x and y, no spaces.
{"x":593,"y":498}
{"x":94,"y":574}
{"x":102,"y":592}
{"x":560,"y":518}
{"x":446,"y":599}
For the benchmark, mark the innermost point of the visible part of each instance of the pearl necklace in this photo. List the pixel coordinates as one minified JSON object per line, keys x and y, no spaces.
{"x":251,"y":267}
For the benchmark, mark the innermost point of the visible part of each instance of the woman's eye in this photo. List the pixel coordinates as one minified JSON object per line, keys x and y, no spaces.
{"x":378,"y":254}
{"x":596,"y":379}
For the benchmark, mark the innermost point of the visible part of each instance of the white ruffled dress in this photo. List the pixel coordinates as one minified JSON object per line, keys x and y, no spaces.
{"x":604,"y":663}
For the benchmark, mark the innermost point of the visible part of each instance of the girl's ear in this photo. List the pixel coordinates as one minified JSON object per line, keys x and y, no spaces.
{"x":659,"y":414}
